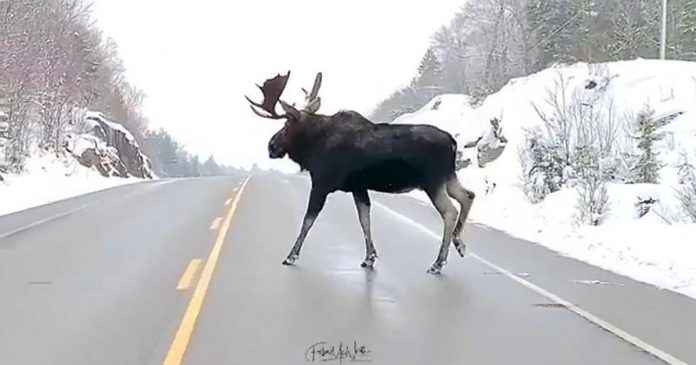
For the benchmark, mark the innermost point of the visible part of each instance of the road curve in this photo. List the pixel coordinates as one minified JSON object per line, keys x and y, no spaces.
{"x":117,"y":277}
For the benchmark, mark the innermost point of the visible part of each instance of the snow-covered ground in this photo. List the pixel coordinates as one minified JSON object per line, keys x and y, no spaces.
{"x":48,"y":179}
{"x":658,"y":248}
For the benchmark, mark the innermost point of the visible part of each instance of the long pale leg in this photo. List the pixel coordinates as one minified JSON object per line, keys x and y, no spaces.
{"x":466,"y":200}
{"x":316,"y":204}
{"x":444,"y":206}
{"x":362,"y":203}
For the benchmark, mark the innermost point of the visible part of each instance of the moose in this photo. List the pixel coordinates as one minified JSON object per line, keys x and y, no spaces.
{"x":347,"y":152}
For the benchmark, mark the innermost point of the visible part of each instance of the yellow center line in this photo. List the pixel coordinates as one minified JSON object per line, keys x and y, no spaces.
{"x":189,"y":273}
{"x":176,"y":352}
{"x":216,"y":223}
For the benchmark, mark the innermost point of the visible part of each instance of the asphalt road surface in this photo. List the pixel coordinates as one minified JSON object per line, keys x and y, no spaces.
{"x":188,"y":272}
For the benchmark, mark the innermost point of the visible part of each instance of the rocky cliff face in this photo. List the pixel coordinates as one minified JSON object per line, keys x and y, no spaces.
{"x":89,"y":137}
{"x":107,"y":147}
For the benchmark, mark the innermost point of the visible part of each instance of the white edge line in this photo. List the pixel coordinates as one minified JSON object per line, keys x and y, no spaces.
{"x":83,"y":207}
{"x":45,"y":220}
{"x":553,"y":297}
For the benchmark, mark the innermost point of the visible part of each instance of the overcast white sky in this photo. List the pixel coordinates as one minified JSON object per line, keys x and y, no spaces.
{"x":196,"y":59}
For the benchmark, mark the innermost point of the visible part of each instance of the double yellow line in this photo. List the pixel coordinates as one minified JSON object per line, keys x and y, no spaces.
{"x":176,"y":352}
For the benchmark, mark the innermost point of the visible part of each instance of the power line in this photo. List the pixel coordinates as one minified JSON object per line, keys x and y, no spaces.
{"x":556,"y":30}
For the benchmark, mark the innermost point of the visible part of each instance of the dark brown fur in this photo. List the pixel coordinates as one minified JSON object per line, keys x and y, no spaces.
{"x":346,"y":152}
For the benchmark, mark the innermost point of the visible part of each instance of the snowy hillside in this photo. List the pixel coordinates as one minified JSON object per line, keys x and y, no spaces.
{"x":96,"y":154}
{"x":48,"y":179}
{"x":587,"y":115}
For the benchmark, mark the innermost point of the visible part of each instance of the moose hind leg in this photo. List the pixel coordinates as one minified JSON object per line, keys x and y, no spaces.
{"x":316,"y":204}
{"x":363,"y":204}
{"x":444,"y":206}
{"x":466,"y":199}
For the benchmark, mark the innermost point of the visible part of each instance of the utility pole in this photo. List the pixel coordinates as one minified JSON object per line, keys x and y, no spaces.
{"x":663,"y":38}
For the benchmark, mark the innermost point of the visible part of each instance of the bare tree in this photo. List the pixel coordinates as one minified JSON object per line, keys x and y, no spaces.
{"x":593,"y":201}
{"x":576,"y":146}
{"x":52,"y":61}
{"x":562,"y":120}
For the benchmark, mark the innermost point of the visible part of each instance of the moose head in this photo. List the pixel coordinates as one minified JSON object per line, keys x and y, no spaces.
{"x":281,"y":142}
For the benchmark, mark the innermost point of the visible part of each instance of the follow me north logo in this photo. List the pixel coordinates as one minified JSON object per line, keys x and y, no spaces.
{"x":326,"y":352}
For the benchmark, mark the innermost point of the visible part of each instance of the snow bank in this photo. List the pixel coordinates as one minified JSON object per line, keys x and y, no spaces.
{"x":47,"y":179}
{"x":96,"y":154}
{"x":658,"y":248}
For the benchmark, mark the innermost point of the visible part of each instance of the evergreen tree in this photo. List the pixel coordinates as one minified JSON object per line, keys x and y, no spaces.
{"x":555,"y":24}
{"x":429,"y":70}
{"x":398,"y":103}
{"x":195,"y":166}
{"x":424,"y":87}
{"x":183,"y":166}
{"x":168,"y":156}
{"x":682,"y":30}
{"x":634,"y":30}
{"x":488,"y":42}
{"x":647,"y":134}
{"x":453,"y":68}
{"x":543,"y":167}
{"x":210,"y":167}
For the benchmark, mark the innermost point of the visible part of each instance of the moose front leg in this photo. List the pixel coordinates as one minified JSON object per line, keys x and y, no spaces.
{"x":362,"y":203}
{"x":317,"y":198}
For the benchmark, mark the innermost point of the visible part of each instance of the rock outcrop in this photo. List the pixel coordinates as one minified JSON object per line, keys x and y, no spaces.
{"x":107,"y":147}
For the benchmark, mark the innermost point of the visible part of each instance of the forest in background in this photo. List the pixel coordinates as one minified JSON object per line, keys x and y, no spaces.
{"x":55,"y":63}
{"x":489,"y":42}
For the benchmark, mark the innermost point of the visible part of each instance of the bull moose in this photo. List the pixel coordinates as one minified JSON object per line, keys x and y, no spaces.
{"x":347,"y":152}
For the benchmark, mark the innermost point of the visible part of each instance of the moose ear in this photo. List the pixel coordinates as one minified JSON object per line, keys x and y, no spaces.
{"x":313,"y":105}
{"x":290,"y":110}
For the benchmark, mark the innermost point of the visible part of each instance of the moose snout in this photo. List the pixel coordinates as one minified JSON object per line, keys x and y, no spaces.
{"x":275,"y":150}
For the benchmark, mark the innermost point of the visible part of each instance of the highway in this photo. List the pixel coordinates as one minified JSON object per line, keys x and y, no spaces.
{"x":188,"y":271}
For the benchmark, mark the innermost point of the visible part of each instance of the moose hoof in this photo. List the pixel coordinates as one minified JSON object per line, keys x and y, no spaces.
{"x":369,"y":261}
{"x":461,"y":247}
{"x":290,"y":260}
{"x":436,"y":269}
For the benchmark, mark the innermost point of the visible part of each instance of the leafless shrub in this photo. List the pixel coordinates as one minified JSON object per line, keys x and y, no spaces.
{"x":556,"y":154}
{"x":593,"y":201}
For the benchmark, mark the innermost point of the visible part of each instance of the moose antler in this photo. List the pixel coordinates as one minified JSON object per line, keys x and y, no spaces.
{"x":271,"y":89}
{"x":312,"y":100}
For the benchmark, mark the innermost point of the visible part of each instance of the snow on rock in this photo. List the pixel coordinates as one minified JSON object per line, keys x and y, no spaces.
{"x":651,"y":241}
{"x":107,"y":147}
{"x":96,"y":154}
{"x":95,"y":119}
